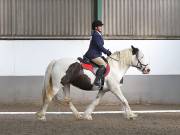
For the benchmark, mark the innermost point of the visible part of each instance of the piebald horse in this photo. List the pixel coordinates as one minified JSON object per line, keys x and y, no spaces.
{"x":119,"y":62}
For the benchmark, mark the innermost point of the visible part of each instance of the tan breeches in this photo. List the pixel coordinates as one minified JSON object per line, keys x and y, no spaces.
{"x":99,"y":61}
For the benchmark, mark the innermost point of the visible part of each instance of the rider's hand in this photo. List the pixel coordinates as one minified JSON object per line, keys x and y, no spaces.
{"x":109,"y":53}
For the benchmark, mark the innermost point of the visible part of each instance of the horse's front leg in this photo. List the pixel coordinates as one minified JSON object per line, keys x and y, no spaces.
{"x":91,"y":107}
{"x":116,"y":90}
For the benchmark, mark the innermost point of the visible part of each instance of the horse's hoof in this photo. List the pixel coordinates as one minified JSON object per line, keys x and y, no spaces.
{"x":40,"y":116}
{"x":134,"y":115}
{"x":131,"y":116}
{"x":87,"y":117}
{"x":79,"y":117}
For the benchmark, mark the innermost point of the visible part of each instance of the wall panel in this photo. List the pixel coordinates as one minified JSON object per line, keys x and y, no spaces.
{"x":141,"y":18}
{"x":45,"y":18}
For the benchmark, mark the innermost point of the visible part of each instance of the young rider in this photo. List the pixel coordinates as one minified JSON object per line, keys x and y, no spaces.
{"x":95,"y":51}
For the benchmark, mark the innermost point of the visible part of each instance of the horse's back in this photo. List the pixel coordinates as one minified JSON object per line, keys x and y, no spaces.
{"x":64,"y":63}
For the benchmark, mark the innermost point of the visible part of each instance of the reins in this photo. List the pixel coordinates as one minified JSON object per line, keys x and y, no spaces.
{"x":113,"y":58}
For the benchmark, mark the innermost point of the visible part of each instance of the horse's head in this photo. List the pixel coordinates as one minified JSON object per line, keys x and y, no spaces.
{"x":138,"y":61}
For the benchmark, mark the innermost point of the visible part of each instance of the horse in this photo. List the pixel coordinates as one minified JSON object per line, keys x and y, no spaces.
{"x":119,"y":63}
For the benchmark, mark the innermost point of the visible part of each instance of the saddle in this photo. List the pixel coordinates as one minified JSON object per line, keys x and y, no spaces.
{"x":91,"y":66}
{"x":75,"y":76}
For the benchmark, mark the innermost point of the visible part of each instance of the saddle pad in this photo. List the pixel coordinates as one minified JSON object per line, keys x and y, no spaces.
{"x":93,"y":69}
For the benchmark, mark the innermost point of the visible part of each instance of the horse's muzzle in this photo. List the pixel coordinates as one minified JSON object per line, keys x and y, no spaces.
{"x":146,"y":71}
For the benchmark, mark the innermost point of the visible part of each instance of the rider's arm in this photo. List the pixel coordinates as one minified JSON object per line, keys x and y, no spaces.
{"x":99,"y":42}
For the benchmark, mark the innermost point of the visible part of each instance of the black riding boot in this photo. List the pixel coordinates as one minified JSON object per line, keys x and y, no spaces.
{"x":100,"y":76}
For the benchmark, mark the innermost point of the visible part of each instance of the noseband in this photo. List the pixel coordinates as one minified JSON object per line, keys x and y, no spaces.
{"x":140,"y":65}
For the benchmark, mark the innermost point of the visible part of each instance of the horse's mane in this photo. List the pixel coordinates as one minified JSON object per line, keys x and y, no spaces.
{"x":124,"y":57}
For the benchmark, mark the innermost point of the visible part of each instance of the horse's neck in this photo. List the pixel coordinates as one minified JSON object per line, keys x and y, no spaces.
{"x":118,"y":68}
{"x":124,"y":68}
{"x":120,"y":62}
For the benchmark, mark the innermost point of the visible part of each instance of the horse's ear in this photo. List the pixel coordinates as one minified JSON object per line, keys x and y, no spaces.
{"x":134,"y":50}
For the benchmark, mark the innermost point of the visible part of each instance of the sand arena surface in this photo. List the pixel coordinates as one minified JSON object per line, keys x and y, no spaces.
{"x":102,"y":124}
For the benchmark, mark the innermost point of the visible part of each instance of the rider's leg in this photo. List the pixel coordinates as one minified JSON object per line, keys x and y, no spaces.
{"x":99,"y":61}
{"x":99,"y":75}
{"x":100,"y":72}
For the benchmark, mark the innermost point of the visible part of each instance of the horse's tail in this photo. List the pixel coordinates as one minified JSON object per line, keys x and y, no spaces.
{"x":47,"y":88}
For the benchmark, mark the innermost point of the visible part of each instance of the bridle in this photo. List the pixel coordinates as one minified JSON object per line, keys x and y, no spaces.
{"x":140,"y":65}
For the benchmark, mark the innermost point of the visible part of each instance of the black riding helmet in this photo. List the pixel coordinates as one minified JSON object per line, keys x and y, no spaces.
{"x":96,"y":23}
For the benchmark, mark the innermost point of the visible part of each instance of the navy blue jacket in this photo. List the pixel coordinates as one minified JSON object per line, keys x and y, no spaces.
{"x":96,"y":46}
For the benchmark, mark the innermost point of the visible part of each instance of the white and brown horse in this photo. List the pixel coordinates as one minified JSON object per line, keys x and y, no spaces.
{"x":119,"y":62}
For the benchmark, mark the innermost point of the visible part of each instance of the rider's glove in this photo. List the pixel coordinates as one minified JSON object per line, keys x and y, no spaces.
{"x":108,"y":53}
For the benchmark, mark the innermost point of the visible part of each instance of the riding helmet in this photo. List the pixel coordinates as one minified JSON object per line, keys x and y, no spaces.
{"x":96,"y":23}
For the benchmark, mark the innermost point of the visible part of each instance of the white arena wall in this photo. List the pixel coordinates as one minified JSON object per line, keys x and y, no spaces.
{"x":23,"y":64}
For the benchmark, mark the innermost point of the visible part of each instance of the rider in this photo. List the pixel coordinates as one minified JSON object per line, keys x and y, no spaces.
{"x":95,"y":50}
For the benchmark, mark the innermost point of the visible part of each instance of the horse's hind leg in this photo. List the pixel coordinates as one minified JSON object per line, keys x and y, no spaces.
{"x":40,"y":115}
{"x":68,"y":101}
{"x":47,"y":98}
